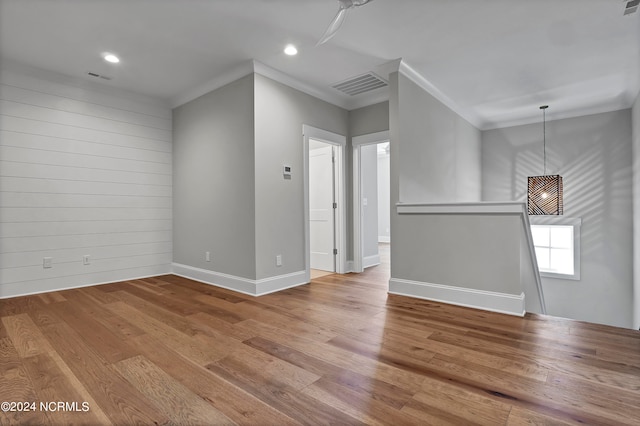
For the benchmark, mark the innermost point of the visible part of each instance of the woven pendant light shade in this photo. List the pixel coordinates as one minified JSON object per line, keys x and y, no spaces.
{"x":544,"y":195}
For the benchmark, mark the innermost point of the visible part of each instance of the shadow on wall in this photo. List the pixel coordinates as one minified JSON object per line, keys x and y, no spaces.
{"x":593,"y":154}
{"x":595,"y":187}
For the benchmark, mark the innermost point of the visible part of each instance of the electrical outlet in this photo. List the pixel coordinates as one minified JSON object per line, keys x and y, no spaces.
{"x":86,"y":259}
{"x":207,"y":256}
{"x":279,"y":260}
{"x":47,"y":262}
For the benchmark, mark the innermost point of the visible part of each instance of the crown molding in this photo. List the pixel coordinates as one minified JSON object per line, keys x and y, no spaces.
{"x":600,"y":107}
{"x":287,"y":80}
{"x":253,"y":66}
{"x":216,"y":82}
{"x":249,"y":67}
{"x":413,"y":75}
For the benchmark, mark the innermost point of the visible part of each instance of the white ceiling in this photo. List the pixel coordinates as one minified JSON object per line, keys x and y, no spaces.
{"x":496,"y":60}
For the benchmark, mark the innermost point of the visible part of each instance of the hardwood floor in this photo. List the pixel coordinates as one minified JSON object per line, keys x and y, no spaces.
{"x":316,"y":273}
{"x":168,"y":350}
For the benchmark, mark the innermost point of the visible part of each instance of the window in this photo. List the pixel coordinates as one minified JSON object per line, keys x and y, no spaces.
{"x":557,"y":245}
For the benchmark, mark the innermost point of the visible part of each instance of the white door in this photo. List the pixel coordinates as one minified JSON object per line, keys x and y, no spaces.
{"x":321,"y":212}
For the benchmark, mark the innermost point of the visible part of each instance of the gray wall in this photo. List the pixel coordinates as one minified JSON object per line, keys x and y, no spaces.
{"x":214,"y":181}
{"x":480,"y":252}
{"x":439,"y":158}
{"x":369,"y":119}
{"x":362,"y":121}
{"x":636,"y":211}
{"x":435,"y":157}
{"x":280,"y":112}
{"x":230,"y":195}
{"x":369,"y":172}
{"x":593,"y":154}
{"x":84,"y":170}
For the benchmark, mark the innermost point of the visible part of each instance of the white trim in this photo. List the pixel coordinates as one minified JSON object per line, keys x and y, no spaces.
{"x":371,"y":138}
{"x":574,"y":222}
{"x":370,"y":261}
{"x":555,"y":220}
{"x":287,"y":80}
{"x":215,"y":83}
{"x":253,"y":66}
{"x":510,"y":304}
{"x":384,"y":239}
{"x":358,"y":238}
{"x":349,"y":267}
{"x":240,"y":284}
{"x":280,"y":282}
{"x":532,"y":257}
{"x":481,"y":122}
{"x":323,"y":135}
{"x":428,"y":87}
{"x":462,"y":208}
{"x":599,"y":107}
{"x":51,"y":290}
{"x":491,"y":208}
{"x":340,"y":141}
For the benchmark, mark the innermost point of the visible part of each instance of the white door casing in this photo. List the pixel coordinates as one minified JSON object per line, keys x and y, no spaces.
{"x":339,"y":143}
{"x":358,"y":142}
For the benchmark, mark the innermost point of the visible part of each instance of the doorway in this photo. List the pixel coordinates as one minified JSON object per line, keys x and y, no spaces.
{"x":371,"y":198}
{"x":322,"y":235}
{"x":325,"y":201}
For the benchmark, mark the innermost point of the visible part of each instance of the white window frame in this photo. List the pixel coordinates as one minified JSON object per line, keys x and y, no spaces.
{"x":576,"y":223}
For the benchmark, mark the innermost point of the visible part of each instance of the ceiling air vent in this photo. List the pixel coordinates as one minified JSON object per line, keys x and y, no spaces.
{"x":360,"y":84}
{"x":631,"y":7}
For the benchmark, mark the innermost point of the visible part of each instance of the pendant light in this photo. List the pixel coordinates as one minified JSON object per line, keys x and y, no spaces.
{"x":544,"y":193}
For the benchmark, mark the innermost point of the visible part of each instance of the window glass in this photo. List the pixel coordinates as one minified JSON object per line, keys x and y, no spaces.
{"x":561,"y":237}
{"x":543,"y":257}
{"x":540,"y":235}
{"x":557,"y":246}
{"x":561,"y":261}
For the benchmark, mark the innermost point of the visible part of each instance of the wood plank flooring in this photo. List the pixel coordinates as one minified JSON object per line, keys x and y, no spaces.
{"x":168,"y":350}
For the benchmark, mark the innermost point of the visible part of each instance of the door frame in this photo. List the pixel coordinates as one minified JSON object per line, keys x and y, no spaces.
{"x":340,"y":142}
{"x":358,"y":235}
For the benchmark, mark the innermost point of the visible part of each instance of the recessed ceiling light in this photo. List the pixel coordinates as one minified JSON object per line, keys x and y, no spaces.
{"x":290,"y":50}
{"x":110,"y":57}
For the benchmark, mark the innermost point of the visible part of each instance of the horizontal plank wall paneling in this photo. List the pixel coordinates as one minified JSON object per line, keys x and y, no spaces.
{"x":84,"y":170}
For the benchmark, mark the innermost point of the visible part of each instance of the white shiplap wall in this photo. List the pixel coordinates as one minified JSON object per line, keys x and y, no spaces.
{"x":84,"y":170}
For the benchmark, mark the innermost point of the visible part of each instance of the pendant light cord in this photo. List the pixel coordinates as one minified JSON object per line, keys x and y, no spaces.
{"x":544,"y":137}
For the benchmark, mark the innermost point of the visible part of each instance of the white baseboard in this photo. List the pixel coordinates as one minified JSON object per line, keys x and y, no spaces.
{"x":240,"y":284}
{"x":280,"y":282}
{"x":384,"y":239}
{"x":490,"y":301}
{"x":8,"y":291}
{"x":370,"y":261}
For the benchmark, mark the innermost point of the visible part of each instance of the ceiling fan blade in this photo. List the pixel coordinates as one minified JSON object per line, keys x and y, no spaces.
{"x":334,"y":26}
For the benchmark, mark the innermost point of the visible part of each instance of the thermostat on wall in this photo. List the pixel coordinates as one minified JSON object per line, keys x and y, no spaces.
{"x":286,"y":170}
